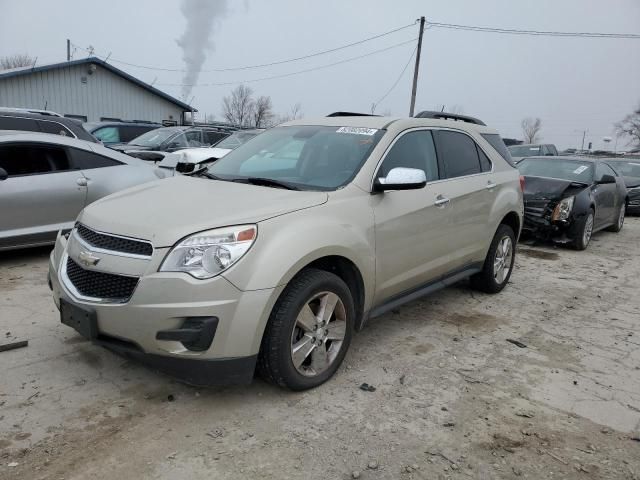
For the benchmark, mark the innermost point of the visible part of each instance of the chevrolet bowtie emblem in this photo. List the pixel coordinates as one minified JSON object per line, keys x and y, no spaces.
{"x":88,"y":259}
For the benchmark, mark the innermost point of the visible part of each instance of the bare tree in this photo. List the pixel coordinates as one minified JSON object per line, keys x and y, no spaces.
{"x":630,"y":127}
{"x":262,"y":112}
{"x":15,"y":61}
{"x":530,"y":129}
{"x":294,"y":113}
{"x":238,"y":108}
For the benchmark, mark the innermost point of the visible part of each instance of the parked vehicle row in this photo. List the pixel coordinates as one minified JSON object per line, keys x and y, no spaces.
{"x":278,"y":252}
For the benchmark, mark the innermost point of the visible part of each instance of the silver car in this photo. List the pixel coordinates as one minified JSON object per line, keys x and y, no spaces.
{"x":46,"y":180}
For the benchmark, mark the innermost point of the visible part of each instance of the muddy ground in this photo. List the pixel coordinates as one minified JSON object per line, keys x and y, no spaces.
{"x":453,"y":399}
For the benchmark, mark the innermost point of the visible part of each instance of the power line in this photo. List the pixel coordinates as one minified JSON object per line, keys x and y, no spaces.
{"x":512,"y":31}
{"x":397,"y":80}
{"x":269,"y":64}
{"x":290,"y":73}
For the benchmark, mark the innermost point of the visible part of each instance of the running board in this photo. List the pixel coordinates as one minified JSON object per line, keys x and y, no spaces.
{"x":427,"y":289}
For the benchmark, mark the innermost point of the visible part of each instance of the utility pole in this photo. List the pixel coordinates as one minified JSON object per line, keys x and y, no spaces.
{"x":68,"y":50}
{"x":584,"y":133}
{"x":417,"y":67}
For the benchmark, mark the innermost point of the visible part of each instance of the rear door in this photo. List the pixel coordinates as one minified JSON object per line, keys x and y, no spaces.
{"x":43,"y":193}
{"x":468,"y":190}
{"x":411,"y":233}
{"x":103,"y":175}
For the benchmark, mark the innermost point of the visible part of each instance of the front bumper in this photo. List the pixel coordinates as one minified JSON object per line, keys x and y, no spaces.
{"x":165,"y":302}
{"x":560,"y":231}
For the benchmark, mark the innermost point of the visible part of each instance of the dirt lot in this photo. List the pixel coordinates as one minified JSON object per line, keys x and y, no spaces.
{"x":453,"y":398}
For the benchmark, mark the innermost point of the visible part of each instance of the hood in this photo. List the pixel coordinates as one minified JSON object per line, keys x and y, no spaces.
{"x":631,"y":182}
{"x":192,"y":155}
{"x":165,"y":211}
{"x":548,"y":189}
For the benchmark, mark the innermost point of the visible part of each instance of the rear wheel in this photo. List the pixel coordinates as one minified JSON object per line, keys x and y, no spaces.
{"x":498,"y":264}
{"x":309,"y":331}
{"x":616,"y":227}
{"x":584,"y":231}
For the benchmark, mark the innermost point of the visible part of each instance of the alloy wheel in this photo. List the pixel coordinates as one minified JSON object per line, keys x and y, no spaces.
{"x":318,"y":334}
{"x":502,"y":260}
{"x":588,"y":230}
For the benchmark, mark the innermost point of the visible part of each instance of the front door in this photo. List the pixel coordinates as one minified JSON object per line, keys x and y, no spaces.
{"x":411,"y":232}
{"x":605,"y":195}
{"x":41,"y":195}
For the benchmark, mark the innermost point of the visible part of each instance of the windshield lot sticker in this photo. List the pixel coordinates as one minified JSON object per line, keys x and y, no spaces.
{"x":580,"y":169}
{"x":357,"y":130}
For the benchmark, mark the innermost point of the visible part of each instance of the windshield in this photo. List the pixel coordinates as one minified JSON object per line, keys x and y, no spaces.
{"x":627,"y":169}
{"x":154,"y":138}
{"x":572,"y":170}
{"x":236,"y":139}
{"x":524,"y":150}
{"x":307,"y":157}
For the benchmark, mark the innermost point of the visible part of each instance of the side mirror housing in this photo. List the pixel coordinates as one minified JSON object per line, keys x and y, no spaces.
{"x":607,"y":179}
{"x":185,"y":167}
{"x":401,"y":178}
{"x":3,"y":174}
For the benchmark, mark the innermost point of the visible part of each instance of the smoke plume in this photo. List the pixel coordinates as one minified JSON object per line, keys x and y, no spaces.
{"x":202,"y":17}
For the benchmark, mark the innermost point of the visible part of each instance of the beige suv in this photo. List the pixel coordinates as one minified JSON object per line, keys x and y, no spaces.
{"x":272,"y":257}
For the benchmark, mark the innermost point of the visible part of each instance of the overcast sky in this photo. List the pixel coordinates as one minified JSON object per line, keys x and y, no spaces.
{"x":572,"y":84}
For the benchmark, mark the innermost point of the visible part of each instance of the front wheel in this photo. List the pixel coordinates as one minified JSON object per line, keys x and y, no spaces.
{"x":309,"y":331}
{"x":584,"y":231}
{"x":498,"y":264}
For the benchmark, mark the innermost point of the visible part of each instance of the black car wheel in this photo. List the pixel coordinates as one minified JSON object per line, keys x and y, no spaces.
{"x":308,"y":332}
{"x":616,"y":227}
{"x":584,"y":231}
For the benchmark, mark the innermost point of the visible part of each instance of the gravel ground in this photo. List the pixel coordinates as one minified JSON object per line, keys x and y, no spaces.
{"x":453,"y":398}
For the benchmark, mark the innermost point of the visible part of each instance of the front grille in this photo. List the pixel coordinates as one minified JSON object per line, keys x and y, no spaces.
{"x":113,"y":243}
{"x":107,"y":286}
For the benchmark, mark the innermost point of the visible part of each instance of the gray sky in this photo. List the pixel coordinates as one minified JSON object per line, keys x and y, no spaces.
{"x":572,"y":84}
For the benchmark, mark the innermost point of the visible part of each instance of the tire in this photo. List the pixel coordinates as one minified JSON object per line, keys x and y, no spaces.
{"x":288,"y":327}
{"x":489,"y":279}
{"x":616,"y":227}
{"x":584,"y":231}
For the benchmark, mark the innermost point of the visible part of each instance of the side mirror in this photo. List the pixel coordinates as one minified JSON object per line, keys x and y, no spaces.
{"x":607,"y":179}
{"x":401,"y":178}
{"x":3,"y":174}
{"x":185,"y":167}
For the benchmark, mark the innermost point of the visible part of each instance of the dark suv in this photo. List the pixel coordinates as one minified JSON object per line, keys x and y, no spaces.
{"x":114,"y":132}
{"x":36,"y":122}
{"x":170,"y":139}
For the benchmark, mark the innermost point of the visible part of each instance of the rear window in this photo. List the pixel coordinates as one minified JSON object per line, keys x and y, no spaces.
{"x":498,"y":145}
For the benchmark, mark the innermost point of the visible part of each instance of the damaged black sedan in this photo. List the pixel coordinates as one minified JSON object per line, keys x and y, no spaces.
{"x":567,"y":199}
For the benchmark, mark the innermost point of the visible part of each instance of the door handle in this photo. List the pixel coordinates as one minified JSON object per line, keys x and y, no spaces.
{"x":441,"y":201}
{"x":81,"y":181}
{"x":490,"y":185}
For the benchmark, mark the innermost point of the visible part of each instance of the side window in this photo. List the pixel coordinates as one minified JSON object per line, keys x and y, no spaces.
{"x":108,"y":134}
{"x":457,"y":153}
{"x":16,"y":123}
{"x":412,"y":150}
{"x":20,"y":160}
{"x":194,"y":138}
{"x":485,"y":163}
{"x":128,"y":132}
{"x":496,"y":142}
{"x":179,"y":141}
{"x":603,"y":169}
{"x":55,"y":128}
{"x":211,"y":137}
{"x":85,"y":160}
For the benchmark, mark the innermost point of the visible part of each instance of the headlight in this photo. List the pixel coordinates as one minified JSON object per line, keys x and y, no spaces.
{"x":563,"y":209}
{"x":206,"y":254}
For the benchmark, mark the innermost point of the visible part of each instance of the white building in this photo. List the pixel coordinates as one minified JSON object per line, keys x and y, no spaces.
{"x":89,"y":90}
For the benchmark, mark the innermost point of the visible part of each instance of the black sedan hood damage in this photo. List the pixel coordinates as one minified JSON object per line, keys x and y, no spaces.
{"x":550,"y":189}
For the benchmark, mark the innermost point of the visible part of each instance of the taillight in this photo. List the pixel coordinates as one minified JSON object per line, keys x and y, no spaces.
{"x":522,"y":182}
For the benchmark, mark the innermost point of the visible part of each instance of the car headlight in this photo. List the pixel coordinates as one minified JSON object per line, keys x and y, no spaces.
{"x":563,"y":209}
{"x":206,"y":254}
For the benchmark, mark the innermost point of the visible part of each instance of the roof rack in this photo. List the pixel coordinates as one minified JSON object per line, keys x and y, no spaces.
{"x":449,"y":116}
{"x":351,"y":114}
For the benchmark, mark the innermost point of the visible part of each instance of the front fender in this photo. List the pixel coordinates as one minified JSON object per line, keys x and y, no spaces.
{"x":286,"y":244}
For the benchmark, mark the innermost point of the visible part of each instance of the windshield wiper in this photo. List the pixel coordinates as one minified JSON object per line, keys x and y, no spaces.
{"x":205,"y":173}
{"x":266,"y":182}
